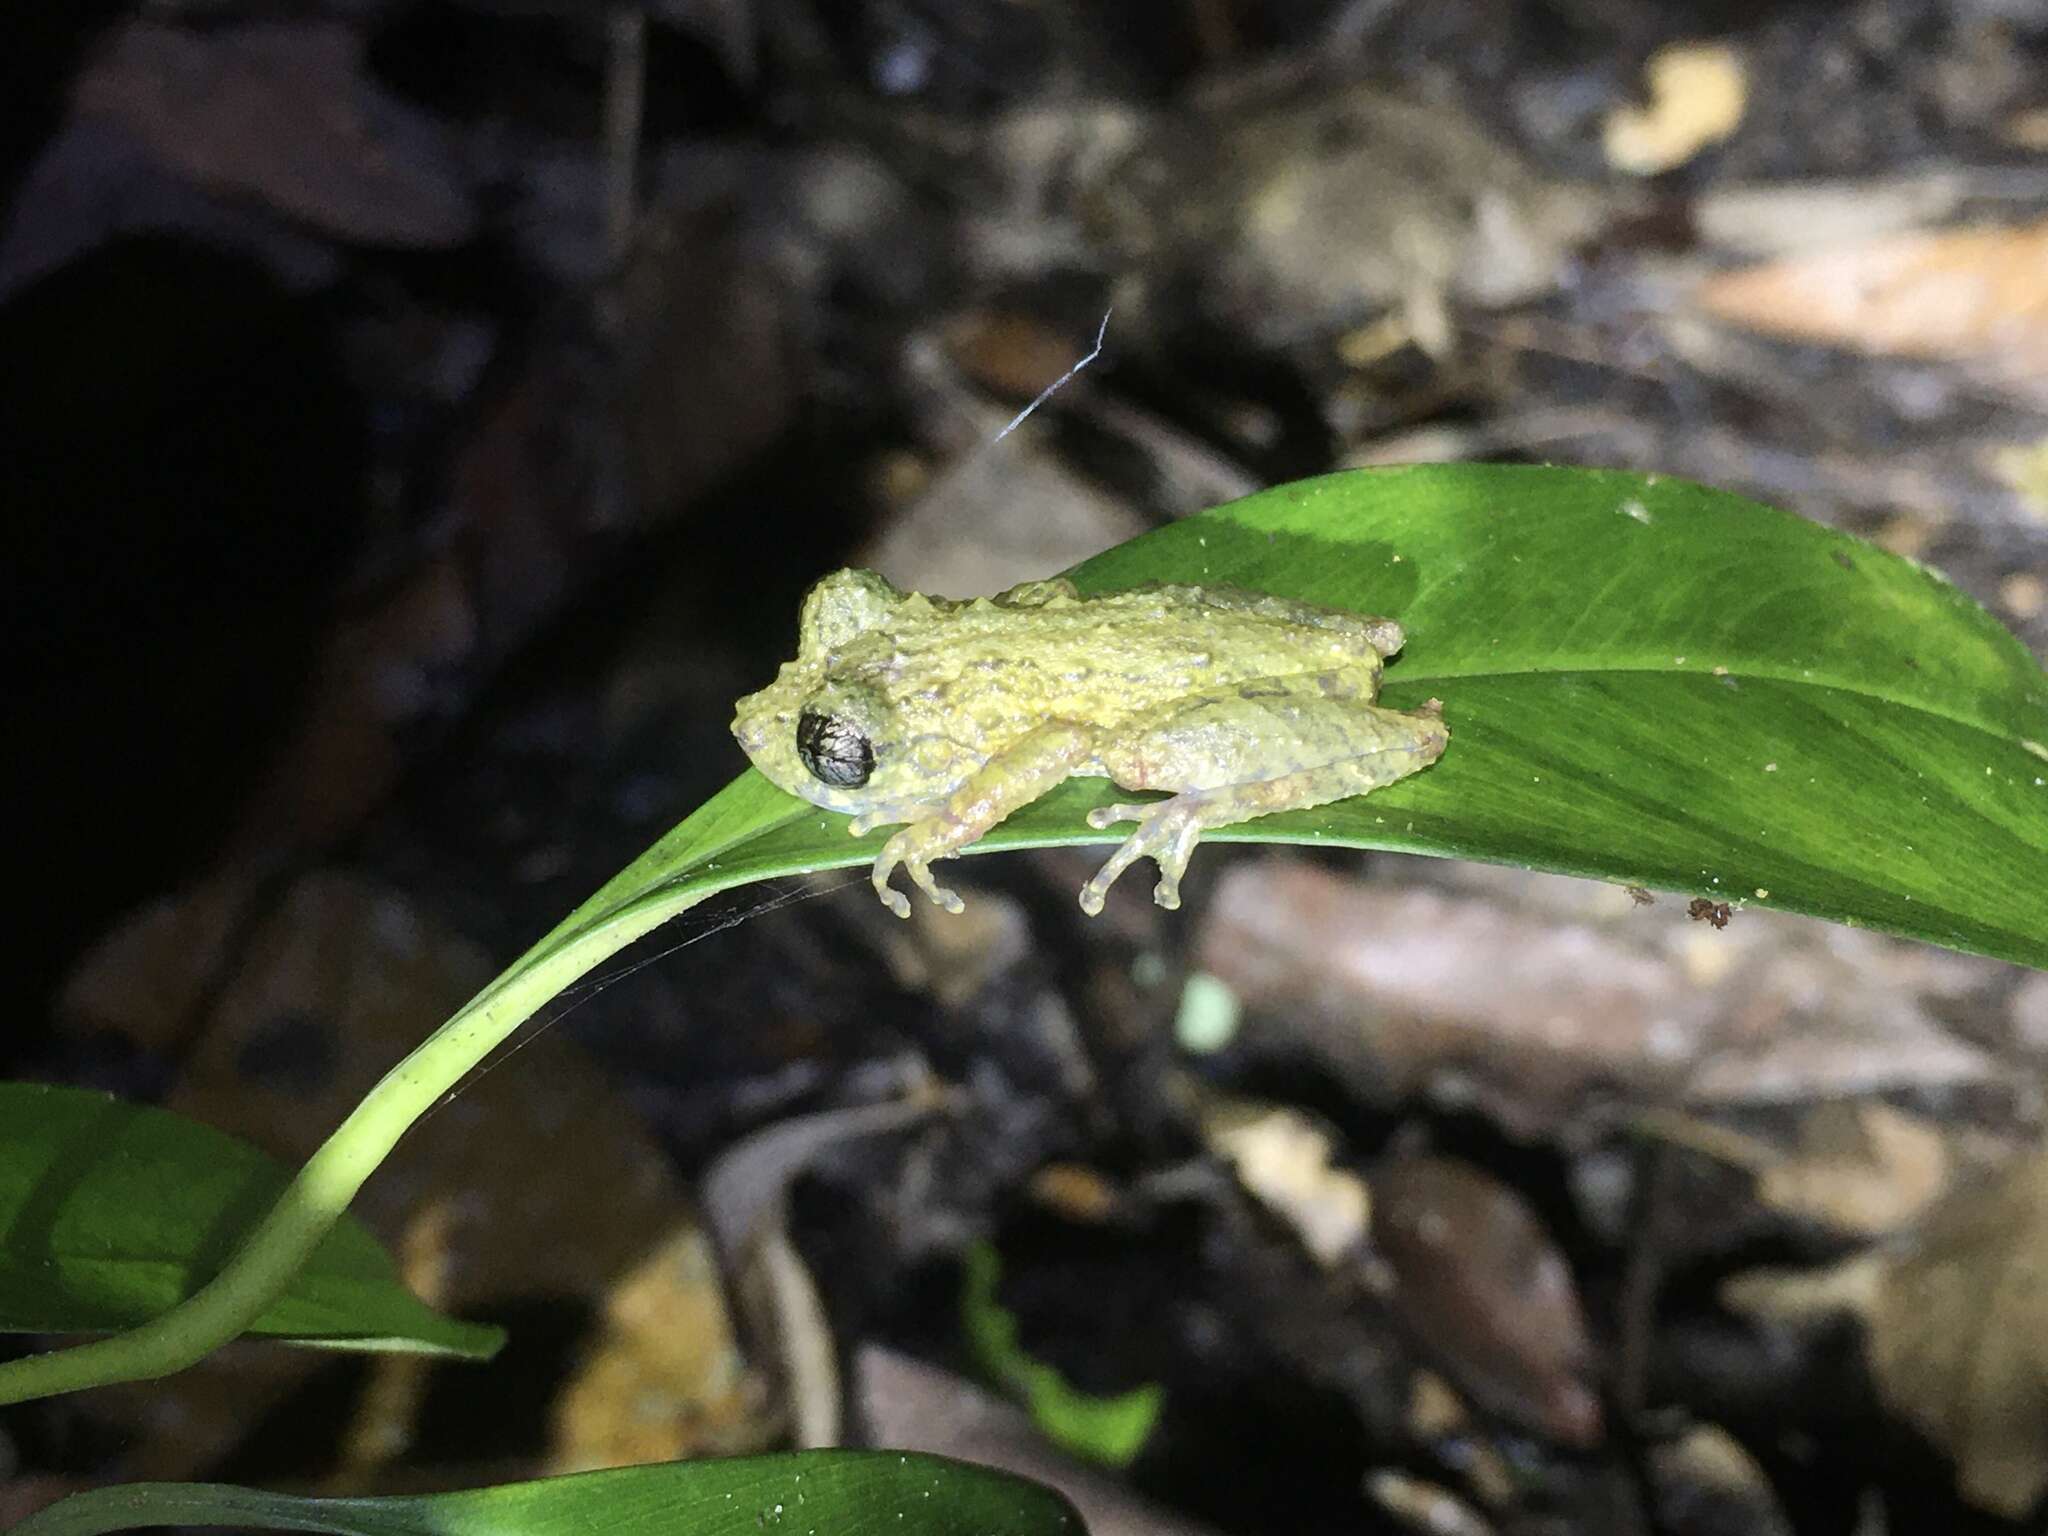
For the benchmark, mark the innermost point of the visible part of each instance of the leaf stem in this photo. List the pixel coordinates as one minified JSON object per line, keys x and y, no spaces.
{"x":263,"y":1265}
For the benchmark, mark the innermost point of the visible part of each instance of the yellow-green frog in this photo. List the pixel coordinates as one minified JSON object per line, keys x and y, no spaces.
{"x":947,"y":716}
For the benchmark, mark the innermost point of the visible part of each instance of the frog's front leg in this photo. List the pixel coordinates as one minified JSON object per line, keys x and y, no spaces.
{"x":1234,"y":756}
{"x":1033,"y":764}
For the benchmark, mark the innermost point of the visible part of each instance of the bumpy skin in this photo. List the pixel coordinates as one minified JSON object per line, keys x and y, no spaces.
{"x":947,"y":716}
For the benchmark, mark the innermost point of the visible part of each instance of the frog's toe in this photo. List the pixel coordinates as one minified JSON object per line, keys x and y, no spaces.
{"x":948,"y":899}
{"x":886,"y":861}
{"x":1179,"y":831}
{"x":1094,"y":892}
{"x":907,"y":850}
{"x":1110,"y":815}
{"x":1167,"y":833}
{"x":893,"y":899}
{"x":1167,"y":837}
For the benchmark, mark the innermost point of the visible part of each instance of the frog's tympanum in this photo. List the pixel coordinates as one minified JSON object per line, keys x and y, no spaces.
{"x":947,"y":716}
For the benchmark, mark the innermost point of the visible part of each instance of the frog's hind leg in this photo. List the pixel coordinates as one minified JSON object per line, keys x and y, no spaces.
{"x":1231,"y":757}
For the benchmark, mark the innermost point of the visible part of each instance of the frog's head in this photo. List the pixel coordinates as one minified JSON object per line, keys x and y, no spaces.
{"x":823,"y":737}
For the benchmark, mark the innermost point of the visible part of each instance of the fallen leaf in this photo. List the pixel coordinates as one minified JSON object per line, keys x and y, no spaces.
{"x":1075,"y":1193}
{"x":1977,"y":295}
{"x":1862,"y":1168}
{"x":284,"y":112}
{"x":2027,"y":1010}
{"x":2026,"y":129}
{"x":1424,"y":1506}
{"x":1283,"y":1158}
{"x":1539,"y":998}
{"x":2023,"y":595}
{"x":1957,"y":1342}
{"x":657,"y":1378}
{"x":1798,"y":1296}
{"x":1780,"y":218}
{"x":2024,"y":467}
{"x":1706,"y":1481}
{"x":1439,"y":1416}
{"x":1487,"y":1293}
{"x":1697,"y":95}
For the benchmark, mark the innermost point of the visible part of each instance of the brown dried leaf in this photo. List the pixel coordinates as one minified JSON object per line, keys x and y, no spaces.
{"x":1488,"y":1294}
{"x":1802,"y":1296}
{"x":1957,"y":1342}
{"x":1706,"y":1481}
{"x":1698,"y":92}
{"x":1862,"y":1168}
{"x":1422,"y":1506}
{"x":283,"y":112}
{"x":1542,"y":996}
{"x":1976,"y":295}
{"x":1283,"y":1157}
{"x":658,"y":1378}
{"x":2024,"y":467}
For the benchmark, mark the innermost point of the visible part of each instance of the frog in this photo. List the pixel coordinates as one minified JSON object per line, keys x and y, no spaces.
{"x":943,"y":716}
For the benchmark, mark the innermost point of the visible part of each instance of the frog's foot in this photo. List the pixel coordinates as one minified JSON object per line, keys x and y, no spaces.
{"x":914,"y":848}
{"x":1167,"y":833}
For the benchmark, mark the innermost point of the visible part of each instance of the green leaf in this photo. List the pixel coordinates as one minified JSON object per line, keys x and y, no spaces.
{"x":1646,"y":681}
{"x":802,"y":1493}
{"x":1657,"y":683}
{"x":112,"y":1212}
{"x":1112,"y":1430}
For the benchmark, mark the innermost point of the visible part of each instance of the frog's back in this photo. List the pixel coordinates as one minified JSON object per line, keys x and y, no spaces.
{"x":1241,"y":634}
{"x":1043,"y":650}
{"x":1238,"y":611}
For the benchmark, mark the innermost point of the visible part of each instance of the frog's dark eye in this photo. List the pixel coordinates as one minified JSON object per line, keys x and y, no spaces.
{"x":834,"y":750}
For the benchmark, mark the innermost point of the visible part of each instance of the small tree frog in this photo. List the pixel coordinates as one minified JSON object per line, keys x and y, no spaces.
{"x":947,"y":716}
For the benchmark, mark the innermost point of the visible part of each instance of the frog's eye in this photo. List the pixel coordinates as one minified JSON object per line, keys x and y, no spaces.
{"x":834,"y":750}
